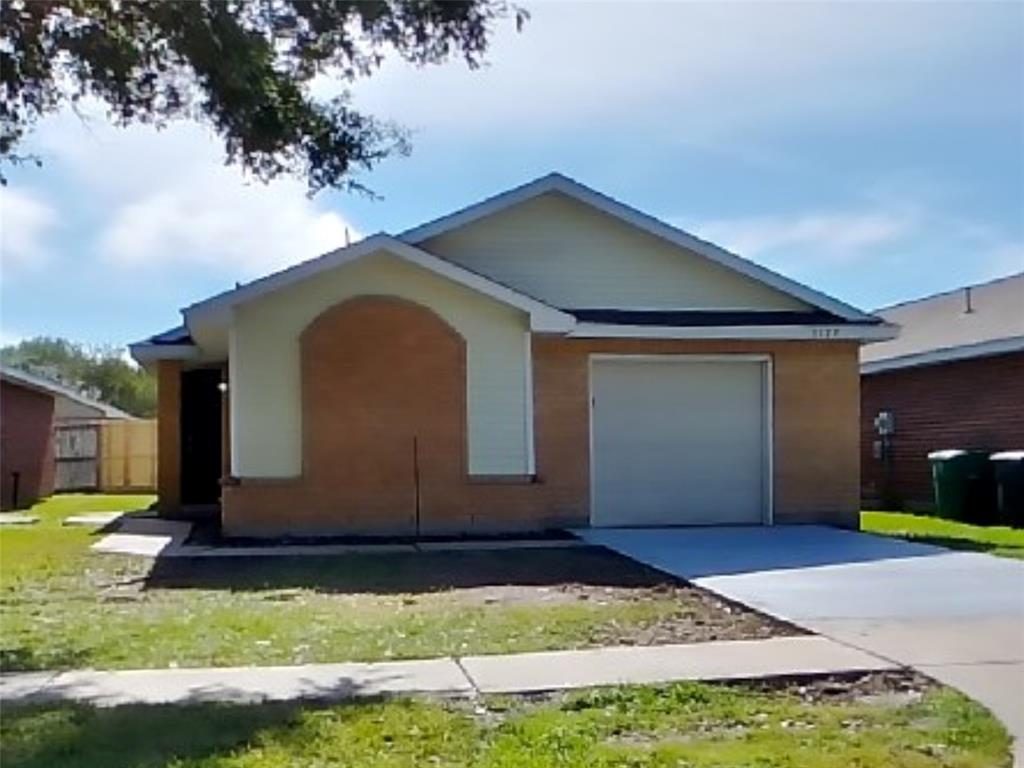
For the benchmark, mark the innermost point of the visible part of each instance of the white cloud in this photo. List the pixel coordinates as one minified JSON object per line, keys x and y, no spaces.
{"x":10,"y":337}
{"x":208,"y":218}
{"x":165,"y":198}
{"x":835,"y":235}
{"x":25,"y":224}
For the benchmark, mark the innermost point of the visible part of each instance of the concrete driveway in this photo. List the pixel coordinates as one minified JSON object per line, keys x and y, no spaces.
{"x":955,"y":616}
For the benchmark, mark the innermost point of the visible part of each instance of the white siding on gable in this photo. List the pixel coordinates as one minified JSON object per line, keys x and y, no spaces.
{"x":266,"y":407}
{"x":66,"y":409}
{"x":571,"y":256}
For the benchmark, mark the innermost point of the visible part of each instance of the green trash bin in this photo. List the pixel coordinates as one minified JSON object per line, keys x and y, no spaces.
{"x":1008,"y":469}
{"x":964,"y":486}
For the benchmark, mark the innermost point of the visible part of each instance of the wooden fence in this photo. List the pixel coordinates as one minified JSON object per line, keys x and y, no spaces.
{"x":76,"y":451}
{"x":108,"y":456}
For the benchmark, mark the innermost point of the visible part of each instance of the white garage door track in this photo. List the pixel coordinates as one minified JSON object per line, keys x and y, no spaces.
{"x":955,"y":616}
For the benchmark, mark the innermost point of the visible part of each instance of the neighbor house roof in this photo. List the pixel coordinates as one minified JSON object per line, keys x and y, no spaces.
{"x":58,"y":390}
{"x":974,"y":321}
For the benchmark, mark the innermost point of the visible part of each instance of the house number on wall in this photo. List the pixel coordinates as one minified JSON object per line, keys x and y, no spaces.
{"x":824,"y":333}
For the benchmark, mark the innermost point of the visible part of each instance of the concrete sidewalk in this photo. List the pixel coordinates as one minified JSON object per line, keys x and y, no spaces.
{"x":145,"y":536}
{"x":155,"y":537}
{"x":466,"y":676}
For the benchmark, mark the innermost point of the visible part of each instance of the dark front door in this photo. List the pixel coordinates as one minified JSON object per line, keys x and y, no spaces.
{"x":200,"y":436}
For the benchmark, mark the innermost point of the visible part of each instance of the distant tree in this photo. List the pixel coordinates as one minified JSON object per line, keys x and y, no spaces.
{"x":99,"y":372}
{"x":243,"y":67}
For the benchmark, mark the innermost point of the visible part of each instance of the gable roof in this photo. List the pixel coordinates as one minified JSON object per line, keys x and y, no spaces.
{"x":543,"y":317}
{"x":556,"y":182}
{"x":973,"y":321}
{"x":844,"y":321}
{"x":58,"y":390}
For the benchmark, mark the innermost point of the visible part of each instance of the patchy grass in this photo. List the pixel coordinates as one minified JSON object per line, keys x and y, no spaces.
{"x":693,"y":725}
{"x":47,"y":547}
{"x":62,"y":606}
{"x":995,"y":540}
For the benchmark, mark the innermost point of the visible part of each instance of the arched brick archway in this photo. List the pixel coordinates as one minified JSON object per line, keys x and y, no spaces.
{"x":384,"y":411}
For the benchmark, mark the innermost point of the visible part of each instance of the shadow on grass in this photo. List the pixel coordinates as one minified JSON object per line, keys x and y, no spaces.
{"x":418,"y":572}
{"x":80,"y":736}
{"x":22,"y":659}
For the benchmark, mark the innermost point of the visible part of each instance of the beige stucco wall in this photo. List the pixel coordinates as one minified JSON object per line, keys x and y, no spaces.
{"x":569,"y":255}
{"x":266,"y":389}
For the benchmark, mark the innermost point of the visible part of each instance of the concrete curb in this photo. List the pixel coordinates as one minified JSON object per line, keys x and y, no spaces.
{"x":153,"y":537}
{"x":724,"y":660}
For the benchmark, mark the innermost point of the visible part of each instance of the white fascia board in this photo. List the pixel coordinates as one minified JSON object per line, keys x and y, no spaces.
{"x":484,"y":208}
{"x":557,"y":183}
{"x":947,"y":355}
{"x":864,"y":333}
{"x":146,"y":352}
{"x":543,"y":318}
{"x":223,"y":302}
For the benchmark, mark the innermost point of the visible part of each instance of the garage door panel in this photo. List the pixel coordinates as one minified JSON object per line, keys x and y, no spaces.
{"x":678,"y":442}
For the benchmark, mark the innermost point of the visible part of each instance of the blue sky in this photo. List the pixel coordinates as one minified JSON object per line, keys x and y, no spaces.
{"x":874,"y":151}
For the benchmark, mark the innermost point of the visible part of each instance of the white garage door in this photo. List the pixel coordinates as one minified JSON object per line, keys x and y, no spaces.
{"x":678,"y":441}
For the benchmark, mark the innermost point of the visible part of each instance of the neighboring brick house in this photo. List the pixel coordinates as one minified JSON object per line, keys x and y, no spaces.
{"x":548,"y":357}
{"x":26,"y":444}
{"x":30,"y":408}
{"x":954,"y":378}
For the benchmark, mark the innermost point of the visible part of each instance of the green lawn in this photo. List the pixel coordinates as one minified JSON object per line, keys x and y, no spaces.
{"x":62,"y":606}
{"x":995,"y":540}
{"x":692,"y":725}
{"x":33,"y":551}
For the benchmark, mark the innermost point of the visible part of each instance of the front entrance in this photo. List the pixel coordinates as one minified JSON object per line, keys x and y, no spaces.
{"x":201,"y":436}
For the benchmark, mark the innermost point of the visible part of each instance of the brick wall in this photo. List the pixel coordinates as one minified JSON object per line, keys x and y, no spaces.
{"x":967,"y":404}
{"x":168,"y":415}
{"x":376,"y":373}
{"x":815,"y":424}
{"x":382,"y":356}
{"x":26,"y":444}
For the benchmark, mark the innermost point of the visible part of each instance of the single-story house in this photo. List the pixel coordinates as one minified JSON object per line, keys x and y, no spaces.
{"x":954,"y":378}
{"x":547,"y":357}
{"x":31,"y":407}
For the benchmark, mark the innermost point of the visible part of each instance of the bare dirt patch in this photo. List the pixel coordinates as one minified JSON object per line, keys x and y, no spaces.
{"x":891,"y":688}
{"x":491,"y":579}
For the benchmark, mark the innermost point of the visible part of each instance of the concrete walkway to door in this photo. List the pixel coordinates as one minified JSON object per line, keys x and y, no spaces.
{"x":955,"y":616}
